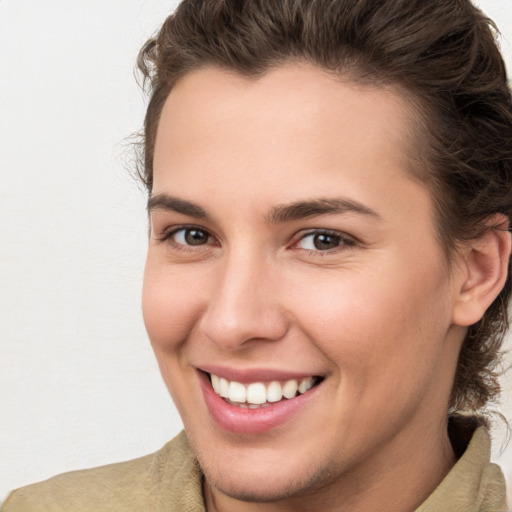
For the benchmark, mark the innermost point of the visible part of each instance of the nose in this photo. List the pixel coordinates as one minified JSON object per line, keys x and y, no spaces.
{"x":244,"y":307}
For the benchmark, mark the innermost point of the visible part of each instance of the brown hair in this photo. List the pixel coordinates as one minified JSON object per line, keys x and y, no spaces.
{"x":442,"y":52}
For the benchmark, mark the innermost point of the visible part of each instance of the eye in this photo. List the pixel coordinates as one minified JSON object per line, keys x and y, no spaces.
{"x":323,"y":241}
{"x":189,"y":236}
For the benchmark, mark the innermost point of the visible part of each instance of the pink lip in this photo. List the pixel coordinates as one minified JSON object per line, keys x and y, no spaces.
{"x":251,"y":421}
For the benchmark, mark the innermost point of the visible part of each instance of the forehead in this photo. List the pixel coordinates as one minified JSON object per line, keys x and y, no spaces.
{"x":298,"y":100}
{"x":293,"y":131}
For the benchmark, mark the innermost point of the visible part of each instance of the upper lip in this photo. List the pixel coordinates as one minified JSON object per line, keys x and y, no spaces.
{"x":248,"y":375}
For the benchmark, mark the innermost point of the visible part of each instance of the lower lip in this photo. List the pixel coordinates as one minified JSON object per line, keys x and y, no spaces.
{"x":241,"y":420}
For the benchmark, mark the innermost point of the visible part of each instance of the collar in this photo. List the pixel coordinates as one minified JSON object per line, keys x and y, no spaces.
{"x":473,"y":484}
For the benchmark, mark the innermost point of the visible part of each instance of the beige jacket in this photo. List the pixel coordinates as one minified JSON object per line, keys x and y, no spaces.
{"x":170,"y":481}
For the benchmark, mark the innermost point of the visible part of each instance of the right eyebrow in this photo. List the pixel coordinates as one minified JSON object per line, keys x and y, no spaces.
{"x":174,"y":204}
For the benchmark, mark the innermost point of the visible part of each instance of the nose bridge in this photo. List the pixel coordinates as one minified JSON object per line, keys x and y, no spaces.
{"x":244,"y":306}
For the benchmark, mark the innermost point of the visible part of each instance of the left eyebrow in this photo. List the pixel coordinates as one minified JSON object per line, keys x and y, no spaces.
{"x":315,"y":207}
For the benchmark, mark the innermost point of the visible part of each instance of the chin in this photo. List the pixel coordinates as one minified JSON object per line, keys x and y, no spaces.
{"x":250,"y":488}
{"x":275,"y":481}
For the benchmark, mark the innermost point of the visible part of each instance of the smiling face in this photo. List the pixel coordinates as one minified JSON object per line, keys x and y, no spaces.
{"x":291,"y":247}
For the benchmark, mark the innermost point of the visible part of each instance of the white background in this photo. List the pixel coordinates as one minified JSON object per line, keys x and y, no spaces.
{"x":79,"y":386}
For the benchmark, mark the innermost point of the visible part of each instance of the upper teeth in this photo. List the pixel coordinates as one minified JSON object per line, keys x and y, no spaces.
{"x":258,"y":393}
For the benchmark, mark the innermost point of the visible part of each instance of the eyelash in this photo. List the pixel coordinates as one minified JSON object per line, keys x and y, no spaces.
{"x":344,"y":241}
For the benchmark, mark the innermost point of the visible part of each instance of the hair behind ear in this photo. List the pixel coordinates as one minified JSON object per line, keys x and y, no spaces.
{"x":486,"y":263}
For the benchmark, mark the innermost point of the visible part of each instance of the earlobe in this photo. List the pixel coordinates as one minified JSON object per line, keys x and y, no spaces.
{"x":485,"y":267}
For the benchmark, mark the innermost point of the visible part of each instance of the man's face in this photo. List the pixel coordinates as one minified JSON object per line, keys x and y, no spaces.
{"x":290,"y":246}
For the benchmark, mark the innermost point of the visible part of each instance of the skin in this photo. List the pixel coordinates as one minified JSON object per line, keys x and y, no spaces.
{"x":381,"y":315}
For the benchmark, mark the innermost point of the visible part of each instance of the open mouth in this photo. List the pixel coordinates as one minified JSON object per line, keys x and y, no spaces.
{"x":261,"y":394}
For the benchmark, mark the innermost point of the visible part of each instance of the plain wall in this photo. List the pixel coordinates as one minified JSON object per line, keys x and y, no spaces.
{"x":79,"y":386}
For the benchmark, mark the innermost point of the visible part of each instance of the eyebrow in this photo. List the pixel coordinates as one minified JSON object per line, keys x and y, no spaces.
{"x":277,"y":215}
{"x":316,"y":207}
{"x":174,"y":204}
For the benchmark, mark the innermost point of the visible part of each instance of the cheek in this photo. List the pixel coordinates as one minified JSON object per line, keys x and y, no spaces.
{"x":170,"y":308}
{"x":384,"y":340}
{"x":170,"y":304}
{"x":379,"y":321}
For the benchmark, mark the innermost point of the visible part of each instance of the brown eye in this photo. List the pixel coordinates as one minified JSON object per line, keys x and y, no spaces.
{"x":190,"y":236}
{"x":323,"y":241}
{"x":195,"y":237}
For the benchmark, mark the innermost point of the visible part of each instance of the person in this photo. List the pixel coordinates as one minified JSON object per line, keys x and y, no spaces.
{"x":327,"y":281}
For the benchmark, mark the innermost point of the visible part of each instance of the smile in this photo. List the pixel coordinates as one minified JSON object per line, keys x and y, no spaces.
{"x":255,"y":401}
{"x":259,"y":394}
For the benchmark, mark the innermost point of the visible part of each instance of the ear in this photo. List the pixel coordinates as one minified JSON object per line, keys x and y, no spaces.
{"x":484,"y":268}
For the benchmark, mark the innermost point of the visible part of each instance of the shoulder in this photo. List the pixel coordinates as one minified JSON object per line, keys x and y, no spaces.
{"x":141,"y":484}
